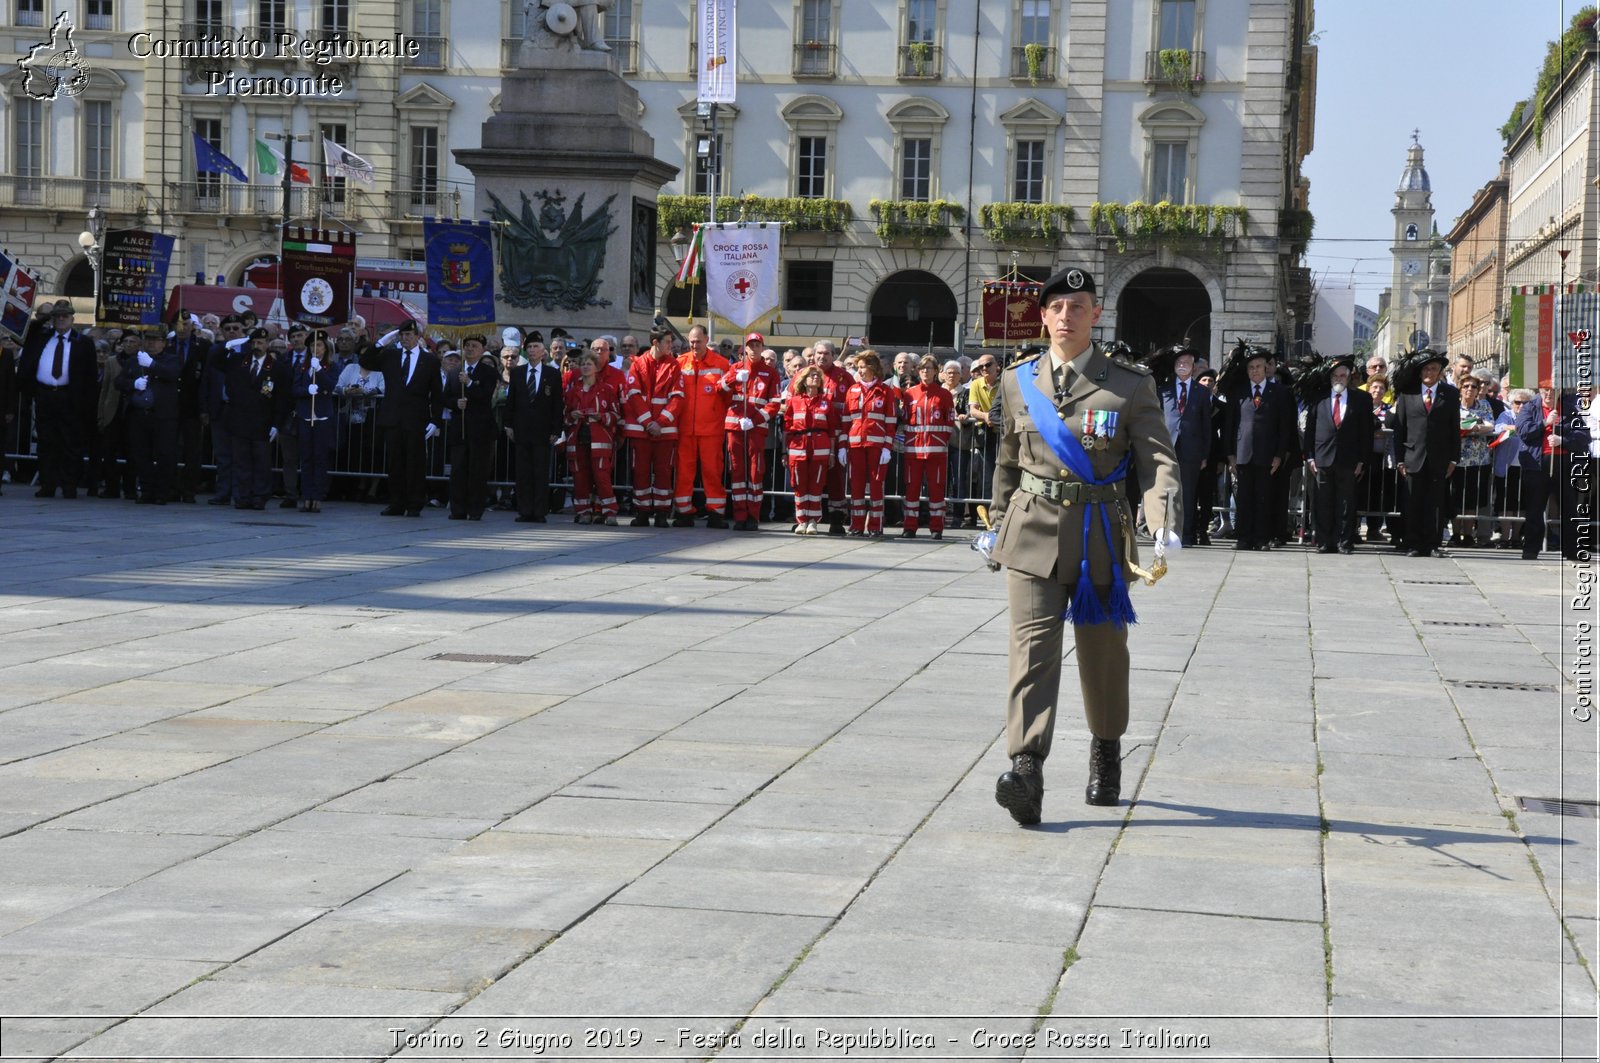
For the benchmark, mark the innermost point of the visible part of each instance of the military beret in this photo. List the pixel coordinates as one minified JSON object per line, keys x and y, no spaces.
{"x":259,"y":333}
{"x":297,"y":327}
{"x":1066,"y":282}
{"x":61,"y":308}
{"x":408,"y":326}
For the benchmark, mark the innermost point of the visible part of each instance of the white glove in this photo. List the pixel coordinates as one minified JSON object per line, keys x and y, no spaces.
{"x":745,"y":424}
{"x":1173,"y":541}
{"x":145,"y":359}
{"x":316,"y":365}
{"x":983,"y":543}
{"x":272,"y":435}
{"x":742,"y":375}
{"x":841,"y":455}
{"x":312,"y":390}
{"x":141,"y":383}
{"x":430,"y":431}
{"x":883,"y":459}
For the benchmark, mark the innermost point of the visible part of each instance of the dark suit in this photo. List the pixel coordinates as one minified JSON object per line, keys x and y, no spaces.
{"x":254,"y":410}
{"x":152,"y":413}
{"x":312,"y":422}
{"x":408,"y":407}
{"x":534,"y":417}
{"x":214,"y":408}
{"x":63,"y":414}
{"x":1337,"y":450}
{"x":192,"y":354}
{"x":1258,"y":433}
{"x":470,"y":438}
{"x":1191,"y":432}
{"x":1428,"y":444}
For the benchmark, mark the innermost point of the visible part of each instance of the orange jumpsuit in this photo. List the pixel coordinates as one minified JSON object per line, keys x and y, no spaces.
{"x":654,"y":395}
{"x":700,"y":430}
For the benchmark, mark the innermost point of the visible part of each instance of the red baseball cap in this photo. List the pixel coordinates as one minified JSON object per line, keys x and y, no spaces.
{"x":755,"y":337}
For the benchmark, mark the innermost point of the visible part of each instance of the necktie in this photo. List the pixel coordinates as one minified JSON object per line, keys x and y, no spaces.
{"x":1257,"y":397}
{"x":1183,"y":398}
{"x":533,"y":381}
{"x":1427,"y":401}
{"x":405,"y":367}
{"x":255,"y":368}
{"x":58,"y":366}
{"x":1338,"y":405}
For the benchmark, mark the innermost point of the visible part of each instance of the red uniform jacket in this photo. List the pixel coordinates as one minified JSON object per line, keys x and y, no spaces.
{"x":809,"y":426}
{"x":705,"y":404}
{"x":871,"y":412}
{"x":600,"y":401}
{"x":757,"y":398}
{"x":836,"y":383}
{"x":654,"y":392}
{"x":930,"y":418}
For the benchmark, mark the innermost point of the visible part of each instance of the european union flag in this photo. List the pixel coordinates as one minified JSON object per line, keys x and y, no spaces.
{"x":208,"y":159}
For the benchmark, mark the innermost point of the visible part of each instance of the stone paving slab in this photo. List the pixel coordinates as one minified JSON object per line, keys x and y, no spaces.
{"x":236,"y":782}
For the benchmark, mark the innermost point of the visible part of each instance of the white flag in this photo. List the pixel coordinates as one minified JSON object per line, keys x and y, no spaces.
{"x":718,"y":51}
{"x":741,"y":263}
{"x":343,"y":162}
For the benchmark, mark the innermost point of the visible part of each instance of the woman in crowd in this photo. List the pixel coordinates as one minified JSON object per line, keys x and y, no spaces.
{"x":959,"y":446}
{"x":360,"y":388}
{"x":930,"y":421}
{"x":809,"y":426}
{"x":1470,"y":486}
{"x":1507,"y":475}
{"x":1382,"y":503}
{"x":870,"y":411}
{"x":315,"y":415}
{"x":594,"y":411}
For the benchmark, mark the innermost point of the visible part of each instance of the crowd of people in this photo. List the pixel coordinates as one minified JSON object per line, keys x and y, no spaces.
{"x":677,"y":429}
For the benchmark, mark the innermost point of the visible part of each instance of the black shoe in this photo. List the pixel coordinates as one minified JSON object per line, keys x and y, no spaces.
{"x":1105,"y":772}
{"x":1347,"y":548}
{"x":526,"y":519}
{"x":1204,"y":539}
{"x":69,"y":492}
{"x":663,"y":521}
{"x":683,"y":520}
{"x":413,"y":512}
{"x":936,"y":536}
{"x":474,"y":516}
{"x":1327,"y":549}
{"x":45,"y":492}
{"x":1243,"y":545}
{"x":716,"y":520}
{"x":186,"y":498}
{"x":1020,"y":791}
{"x":1530,"y":557}
{"x":258,"y":505}
{"x":216,"y":500}
{"x":852,"y":533}
{"x":908,"y":533}
{"x":836,"y":527}
{"x":392,"y":511}
{"x":1417,"y":553}
{"x":288,"y":503}
{"x":457,"y":516}
{"x":641,"y":521}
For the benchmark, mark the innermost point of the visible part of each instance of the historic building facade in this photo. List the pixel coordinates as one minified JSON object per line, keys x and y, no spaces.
{"x":1477,"y":276}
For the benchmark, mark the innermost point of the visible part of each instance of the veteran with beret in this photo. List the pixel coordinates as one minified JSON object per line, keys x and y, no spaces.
{"x":1075,"y":422}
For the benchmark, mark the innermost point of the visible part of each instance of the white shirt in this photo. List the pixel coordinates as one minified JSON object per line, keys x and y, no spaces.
{"x":47,"y":360}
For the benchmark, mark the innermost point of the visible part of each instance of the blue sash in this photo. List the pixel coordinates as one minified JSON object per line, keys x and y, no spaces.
{"x":1086,"y":606}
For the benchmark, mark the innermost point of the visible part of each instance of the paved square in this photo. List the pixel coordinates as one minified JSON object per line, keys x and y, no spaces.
{"x":340,"y":787}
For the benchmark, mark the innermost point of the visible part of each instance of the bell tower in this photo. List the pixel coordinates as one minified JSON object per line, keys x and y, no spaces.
{"x":1413,"y":227}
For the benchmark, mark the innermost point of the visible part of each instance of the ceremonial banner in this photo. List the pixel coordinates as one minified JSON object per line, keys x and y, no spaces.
{"x":317,"y":271}
{"x":741,"y":264}
{"x":133,"y":278}
{"x":718,"y":52}
{"x":460,"y":259}
{"x":17,"y":288}
{"x":1011,"y":312}
{"x":1546,"y":325}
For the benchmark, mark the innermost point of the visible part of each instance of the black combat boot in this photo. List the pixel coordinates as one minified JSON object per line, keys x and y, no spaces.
{"x":1020,"y":791}
{"x":1105,"y":772}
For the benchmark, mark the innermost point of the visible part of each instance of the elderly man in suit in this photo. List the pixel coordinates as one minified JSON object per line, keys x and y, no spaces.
{"x":412,"y":395}
{"x":1427,"y":445}
{"x":535,"y":410}
{"x":150,"y":384}
{"x":1073,"y":423}
{"x":1259,"y":438}
{"x":1337,"y":444}
{"x":58,"y":372}
{"x":1186,"y":405}
{"x":259,"y":390}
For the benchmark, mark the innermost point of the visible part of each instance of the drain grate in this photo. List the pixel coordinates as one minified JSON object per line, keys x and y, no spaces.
{"x":1460,"y":623}
{"x":741,"y":579}
{"x":1560,"y":806}
{"x":482,"y":658}
{"x":271,"y":524}
{"x":1492,"y":684}
{"x":1435,"y":582}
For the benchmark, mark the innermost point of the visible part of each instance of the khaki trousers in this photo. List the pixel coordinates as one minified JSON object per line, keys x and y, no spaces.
{"x":1035,"y":655}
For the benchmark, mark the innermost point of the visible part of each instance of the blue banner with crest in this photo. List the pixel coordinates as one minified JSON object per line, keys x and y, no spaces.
{"x":460,"y":257}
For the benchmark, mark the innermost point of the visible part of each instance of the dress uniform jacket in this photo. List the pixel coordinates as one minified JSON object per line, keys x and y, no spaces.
{"x":1044,"y":538}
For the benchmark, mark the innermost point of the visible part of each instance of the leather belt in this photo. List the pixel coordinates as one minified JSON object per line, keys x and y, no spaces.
{"x":1067,"y":492}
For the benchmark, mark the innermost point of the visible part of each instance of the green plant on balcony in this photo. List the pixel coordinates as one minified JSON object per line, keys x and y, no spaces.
{"x":800,"y":213}
{"x":1034,"y":54}
{"x":921,"y":55}
{"x":1296,"y":227}
{"x":1126,"y":223}
{"x":915,"y":219}
{"x":1561,"y":56}
{"x":1007,"y":223}
{"x":1176,"y":67}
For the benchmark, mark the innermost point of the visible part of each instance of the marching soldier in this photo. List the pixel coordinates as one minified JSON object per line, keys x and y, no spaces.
{"x":1074,"y":423}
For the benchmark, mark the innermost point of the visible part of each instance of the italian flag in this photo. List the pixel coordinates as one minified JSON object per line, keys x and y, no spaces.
{"x":689,"y":268}
{"x":270,"y":162}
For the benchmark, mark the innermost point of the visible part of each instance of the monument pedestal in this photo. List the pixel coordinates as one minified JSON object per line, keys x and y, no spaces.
{"x":571,"y":177}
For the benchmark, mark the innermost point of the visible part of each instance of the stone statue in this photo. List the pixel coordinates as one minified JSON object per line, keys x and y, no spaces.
{"x":574,"y":23}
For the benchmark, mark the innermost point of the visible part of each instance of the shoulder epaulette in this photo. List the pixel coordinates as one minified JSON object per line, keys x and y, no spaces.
{"x":1023,"y":360}
{"x":1132,"y":367}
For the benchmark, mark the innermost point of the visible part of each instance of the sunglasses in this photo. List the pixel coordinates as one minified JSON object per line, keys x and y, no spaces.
{"x":984,"y":365}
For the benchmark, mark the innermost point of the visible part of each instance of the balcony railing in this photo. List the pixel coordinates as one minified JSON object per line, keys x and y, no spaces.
{"x":921,"y":61}
{"x":431,"y":53}
{"x":404,"y":204}
{"x":626,"y":53}
{"x":269,"y":35}
{"x":1033,"y":63}
{"x":1176,"y":68}
{"x":71,"y":193}
{"x":814,"y":59}
{"x":229,"y":197}
{"x":1126,"y":224}
{"x":919,"y":221}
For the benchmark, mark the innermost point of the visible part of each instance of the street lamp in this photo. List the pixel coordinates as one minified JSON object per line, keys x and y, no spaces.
{"x":680,"y":244}
{"x":913,"y":309}
{"x":90,"y":241}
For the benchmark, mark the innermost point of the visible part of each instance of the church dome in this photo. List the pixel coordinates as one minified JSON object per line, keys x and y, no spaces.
{"x":1415,"y":178}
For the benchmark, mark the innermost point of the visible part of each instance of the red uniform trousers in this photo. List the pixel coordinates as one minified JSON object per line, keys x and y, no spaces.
{"x":652,"y":472}
{"x":837,"y":482}
{"x":866,"y":487}
{"x":810,"y":478}
{"x":932,"y":469}
{"x":747,"y":469}
{"x":702,"y":453}
{"x":591,"y":478}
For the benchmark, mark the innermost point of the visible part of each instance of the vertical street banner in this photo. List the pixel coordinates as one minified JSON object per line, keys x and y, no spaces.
{"x":1011,"y":312}
{"x":460,"y":257}
{"x":317,"y":272}
{"x":718,"y":50}
{"x":17,"y":289}
{"x":133,"y":278}
{"x":1544,"y":320}
{"x":741,"y":264}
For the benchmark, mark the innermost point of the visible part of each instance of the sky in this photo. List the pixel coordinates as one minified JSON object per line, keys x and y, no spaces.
{"x":1450,"y":69}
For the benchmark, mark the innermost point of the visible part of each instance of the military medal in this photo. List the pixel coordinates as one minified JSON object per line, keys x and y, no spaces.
{"x":1099,"y":428}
